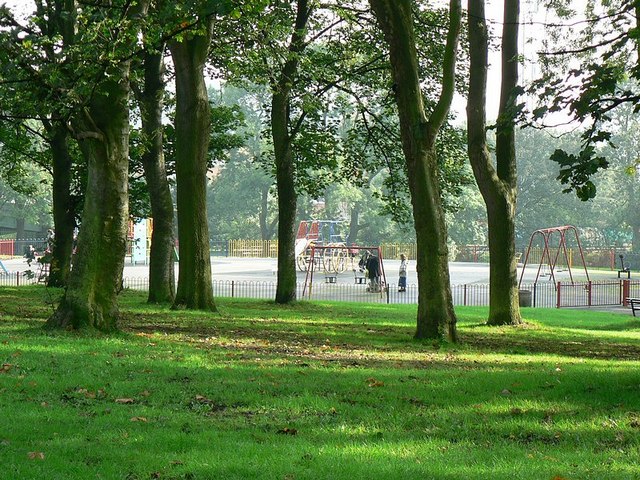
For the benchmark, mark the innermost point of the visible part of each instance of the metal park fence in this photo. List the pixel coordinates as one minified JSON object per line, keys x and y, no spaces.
{"x":18,"y":248}
{"x":541,"y":294}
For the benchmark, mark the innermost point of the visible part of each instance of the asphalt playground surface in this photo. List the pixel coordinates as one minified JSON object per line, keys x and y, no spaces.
{"x":265,"y":270}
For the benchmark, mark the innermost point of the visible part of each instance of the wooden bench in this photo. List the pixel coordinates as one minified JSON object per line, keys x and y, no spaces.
{"x":635,"y":304}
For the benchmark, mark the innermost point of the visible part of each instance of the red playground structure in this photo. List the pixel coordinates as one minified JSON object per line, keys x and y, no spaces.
{"x":549,"y":236}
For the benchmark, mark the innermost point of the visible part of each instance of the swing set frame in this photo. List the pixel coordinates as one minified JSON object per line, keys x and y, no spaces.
{"x":548,"y":237}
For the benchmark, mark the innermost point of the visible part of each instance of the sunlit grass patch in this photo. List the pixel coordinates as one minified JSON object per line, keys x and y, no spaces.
{"x":316,"y":391}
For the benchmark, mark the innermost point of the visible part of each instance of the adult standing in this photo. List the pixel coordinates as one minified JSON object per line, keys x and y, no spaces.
{"x":373,"y":273}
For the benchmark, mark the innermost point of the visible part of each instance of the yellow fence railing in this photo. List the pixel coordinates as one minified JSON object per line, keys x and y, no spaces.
{"x":269,"y":249}
{"x":393,"y":250}
{"x":600,"y":257}
{"x":253,"y":248}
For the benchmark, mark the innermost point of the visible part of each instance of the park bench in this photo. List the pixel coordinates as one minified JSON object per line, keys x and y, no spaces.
{"x":360,"y":279}
{"x":624,"y":269}
{"x":635,"y":304}
{"x":330,"y":279}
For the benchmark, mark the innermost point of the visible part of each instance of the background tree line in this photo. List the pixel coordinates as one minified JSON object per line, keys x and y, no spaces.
{"x":239,"y":118}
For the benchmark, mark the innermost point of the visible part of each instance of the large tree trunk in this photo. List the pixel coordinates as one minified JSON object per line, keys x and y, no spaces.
{"x":498,"y":185}
{"x":419,"y":133}
{"x":161,"y":264}
{"x":284,"y":160}
{"x":102,"y":130}
{"x":63,"y":206}
{"x":193,"y":117}
{"x":96,"y":278}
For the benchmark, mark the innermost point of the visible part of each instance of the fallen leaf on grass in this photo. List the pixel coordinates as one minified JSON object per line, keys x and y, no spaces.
{"x":139,"y":419}
{"x":288,"y":431}
{"x":145,"y":393}
{"x":372,"y":382}
{"x":125,"y":401}
{"x":506,"y":391}
{"x":5,"y":367}
{"x":86,"y":393}
{"x":36,"y":455}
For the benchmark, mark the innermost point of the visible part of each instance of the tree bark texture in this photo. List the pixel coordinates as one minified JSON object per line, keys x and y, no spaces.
{"x":161,"y":263}
{"x":63,"y":22}
{"x":63,"y":207}
{"x":103,"y":132}
{"x":285,"y":162}
{"x":20,"y":232}
{"x":193,"y":118}
{"x":498,"y":184}
{"x":418,"y":134}
{"x":266,"y":227}
{"x":354,"y":223}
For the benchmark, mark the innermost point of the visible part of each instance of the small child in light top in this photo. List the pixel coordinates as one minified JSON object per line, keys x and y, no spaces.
{"x":402,"y":281}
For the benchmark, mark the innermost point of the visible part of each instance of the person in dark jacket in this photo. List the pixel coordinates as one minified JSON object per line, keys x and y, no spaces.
{"x":373,"y":273}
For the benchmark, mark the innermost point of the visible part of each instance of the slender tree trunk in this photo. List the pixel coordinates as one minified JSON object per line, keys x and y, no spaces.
{"x":96,"y":278}
{"x":161,"y":264}
{"x":498,"y":185}
{"x":284,"y":161}
{"x":287,"y":201}
{"x":20,"y":232}
{"x":63,"y":207}
{"x":62,"y":21}
{"x":419,"y":133}
{"x":193,"y":117}
{"x":354,"y":224}
{"x":265,"y":229}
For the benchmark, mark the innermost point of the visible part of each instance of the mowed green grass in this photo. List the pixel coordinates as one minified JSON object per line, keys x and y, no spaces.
{"x":316,"y":391}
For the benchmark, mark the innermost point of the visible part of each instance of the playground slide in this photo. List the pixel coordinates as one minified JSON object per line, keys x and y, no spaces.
{"x":301,"y":245}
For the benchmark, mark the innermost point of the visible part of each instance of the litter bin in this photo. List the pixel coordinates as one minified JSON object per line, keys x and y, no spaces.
{"x":525,"y":298}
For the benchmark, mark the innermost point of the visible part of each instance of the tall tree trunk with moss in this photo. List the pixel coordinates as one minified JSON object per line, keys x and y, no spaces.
{"x":284,"y":160}
{"x":161,"y":264}
{"x":102,"y":131}
{"x":498,"y":184}
{"x":193,"y":117}
{"x":63,"y":205}
{"x":419,"y":133}
{"x":103,"y":134}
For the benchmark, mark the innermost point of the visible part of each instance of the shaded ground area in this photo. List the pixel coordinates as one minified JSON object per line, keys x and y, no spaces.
{"x":316,"y":391}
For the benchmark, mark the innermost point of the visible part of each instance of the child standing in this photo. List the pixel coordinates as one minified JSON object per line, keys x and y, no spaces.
{"x":402,"y":280}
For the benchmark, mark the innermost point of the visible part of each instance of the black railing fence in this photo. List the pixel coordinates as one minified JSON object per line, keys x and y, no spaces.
{"x":542,"y":294}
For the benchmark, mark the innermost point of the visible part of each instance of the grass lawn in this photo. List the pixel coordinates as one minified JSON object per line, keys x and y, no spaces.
{"x":316,"y":391}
